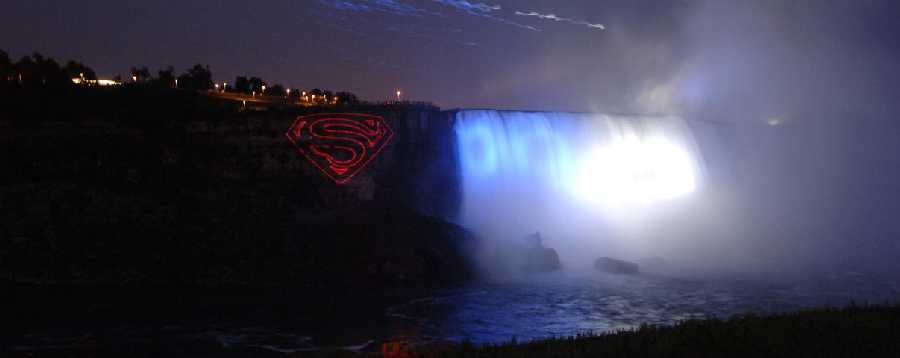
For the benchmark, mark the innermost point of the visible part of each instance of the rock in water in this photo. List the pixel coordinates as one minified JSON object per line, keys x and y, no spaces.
{"x":542,"y":259}
{"x":612,"y":265}
{"x":655,"y":264}
{"x":537,"y":257}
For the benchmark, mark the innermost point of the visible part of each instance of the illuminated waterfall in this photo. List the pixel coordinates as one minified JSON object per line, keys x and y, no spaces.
{"x":526,"y":171}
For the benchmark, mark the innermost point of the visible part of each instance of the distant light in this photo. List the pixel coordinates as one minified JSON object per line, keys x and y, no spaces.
{"x":774,"y":121}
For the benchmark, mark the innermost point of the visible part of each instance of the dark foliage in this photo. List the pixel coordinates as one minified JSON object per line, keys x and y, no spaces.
{"x":166,"y":77}
{"x":241,"y":84}
{"x":197,"y":78}
{"x":141,"y":74}
{"x":275,"y":90}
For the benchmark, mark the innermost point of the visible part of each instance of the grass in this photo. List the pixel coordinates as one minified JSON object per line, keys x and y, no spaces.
{"x":854,"y":331}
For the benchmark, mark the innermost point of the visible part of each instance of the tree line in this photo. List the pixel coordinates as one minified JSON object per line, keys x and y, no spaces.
{"x":38,"y":70}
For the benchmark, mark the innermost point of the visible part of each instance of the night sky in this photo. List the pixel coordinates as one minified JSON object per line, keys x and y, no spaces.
{"x":748,"y":59}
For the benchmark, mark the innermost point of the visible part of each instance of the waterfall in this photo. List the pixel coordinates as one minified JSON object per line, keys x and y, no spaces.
{"x":572,"y":175}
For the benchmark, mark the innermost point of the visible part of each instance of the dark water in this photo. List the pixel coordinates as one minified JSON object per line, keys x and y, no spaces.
{"x":561,"y":304}
{"x":543,"y":305}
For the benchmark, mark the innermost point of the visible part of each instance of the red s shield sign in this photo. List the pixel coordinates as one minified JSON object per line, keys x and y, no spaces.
{"x":340,"y":144}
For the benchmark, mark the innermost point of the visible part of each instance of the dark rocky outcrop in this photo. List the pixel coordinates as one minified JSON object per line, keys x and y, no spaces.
{"x":377,"y":246}
{"x":616,"y":266}
{"x":139,"y":186}
{"x":539,"y":258}
{"x":654,"y":264}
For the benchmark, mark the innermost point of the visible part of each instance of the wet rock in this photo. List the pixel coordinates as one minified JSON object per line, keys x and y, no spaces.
{"x":654,"y":264}
{"x":539,"y":258}
{"x":616,"y":266}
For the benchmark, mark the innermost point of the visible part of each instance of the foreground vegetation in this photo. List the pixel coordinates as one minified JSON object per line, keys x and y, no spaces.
{"x":855,"y":331}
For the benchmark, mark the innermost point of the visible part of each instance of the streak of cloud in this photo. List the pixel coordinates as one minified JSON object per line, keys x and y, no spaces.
{"x":561,"y":19}
{"x":483,"y":10}
{"x":399,"y":8}
{"x":469,"y":7}
{"x":372,"y":6}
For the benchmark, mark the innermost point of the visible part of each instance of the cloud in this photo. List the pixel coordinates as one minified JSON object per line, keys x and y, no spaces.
{"x":371,"y":6}
{"x":396,"y":7}
{"x":482,"y":10}
{"x":562,"y":19}
{"x":468,"y":6}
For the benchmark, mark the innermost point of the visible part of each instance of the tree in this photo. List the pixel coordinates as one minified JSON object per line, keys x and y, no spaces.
{"x":6,"y":67}
{"x":40,"y":71}
{"x":78,"y":70}
{"x":166,"y":77}
{"x":256,"y":84}
{"x":140,"y":74}
{"x":275,"y":90}
{"x":344,"y":97}
{"x":241,"y":84}
{"x":198,"y":78}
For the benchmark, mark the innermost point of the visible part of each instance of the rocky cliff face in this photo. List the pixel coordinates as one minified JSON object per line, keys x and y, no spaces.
{"x":190,"y":192}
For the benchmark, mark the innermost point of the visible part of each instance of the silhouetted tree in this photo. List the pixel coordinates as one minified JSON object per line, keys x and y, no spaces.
{"x":26,"y":71}
{"x":198,"y":78}
{"x":241,"y":84}
{"x":166,"y":77}
{"x":256,"y":84}
{"x":77,"y":69}
{"x":40,"y":71}
{"x":6,"y":67}
{"x":346,"y":98}
{"x":140,"y":74}
{"x":275,"y":90}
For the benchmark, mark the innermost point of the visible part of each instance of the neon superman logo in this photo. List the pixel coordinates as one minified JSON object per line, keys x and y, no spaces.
{"x":340,"y":144}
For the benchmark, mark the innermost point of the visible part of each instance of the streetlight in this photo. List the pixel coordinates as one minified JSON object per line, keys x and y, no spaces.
{"x":263,"y":88}
{"x":176,"y":83}
{"x":224,"y":86}
{"x":217,"y":87}
{"x":398,"y":95}
{"x":288,"y":92}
